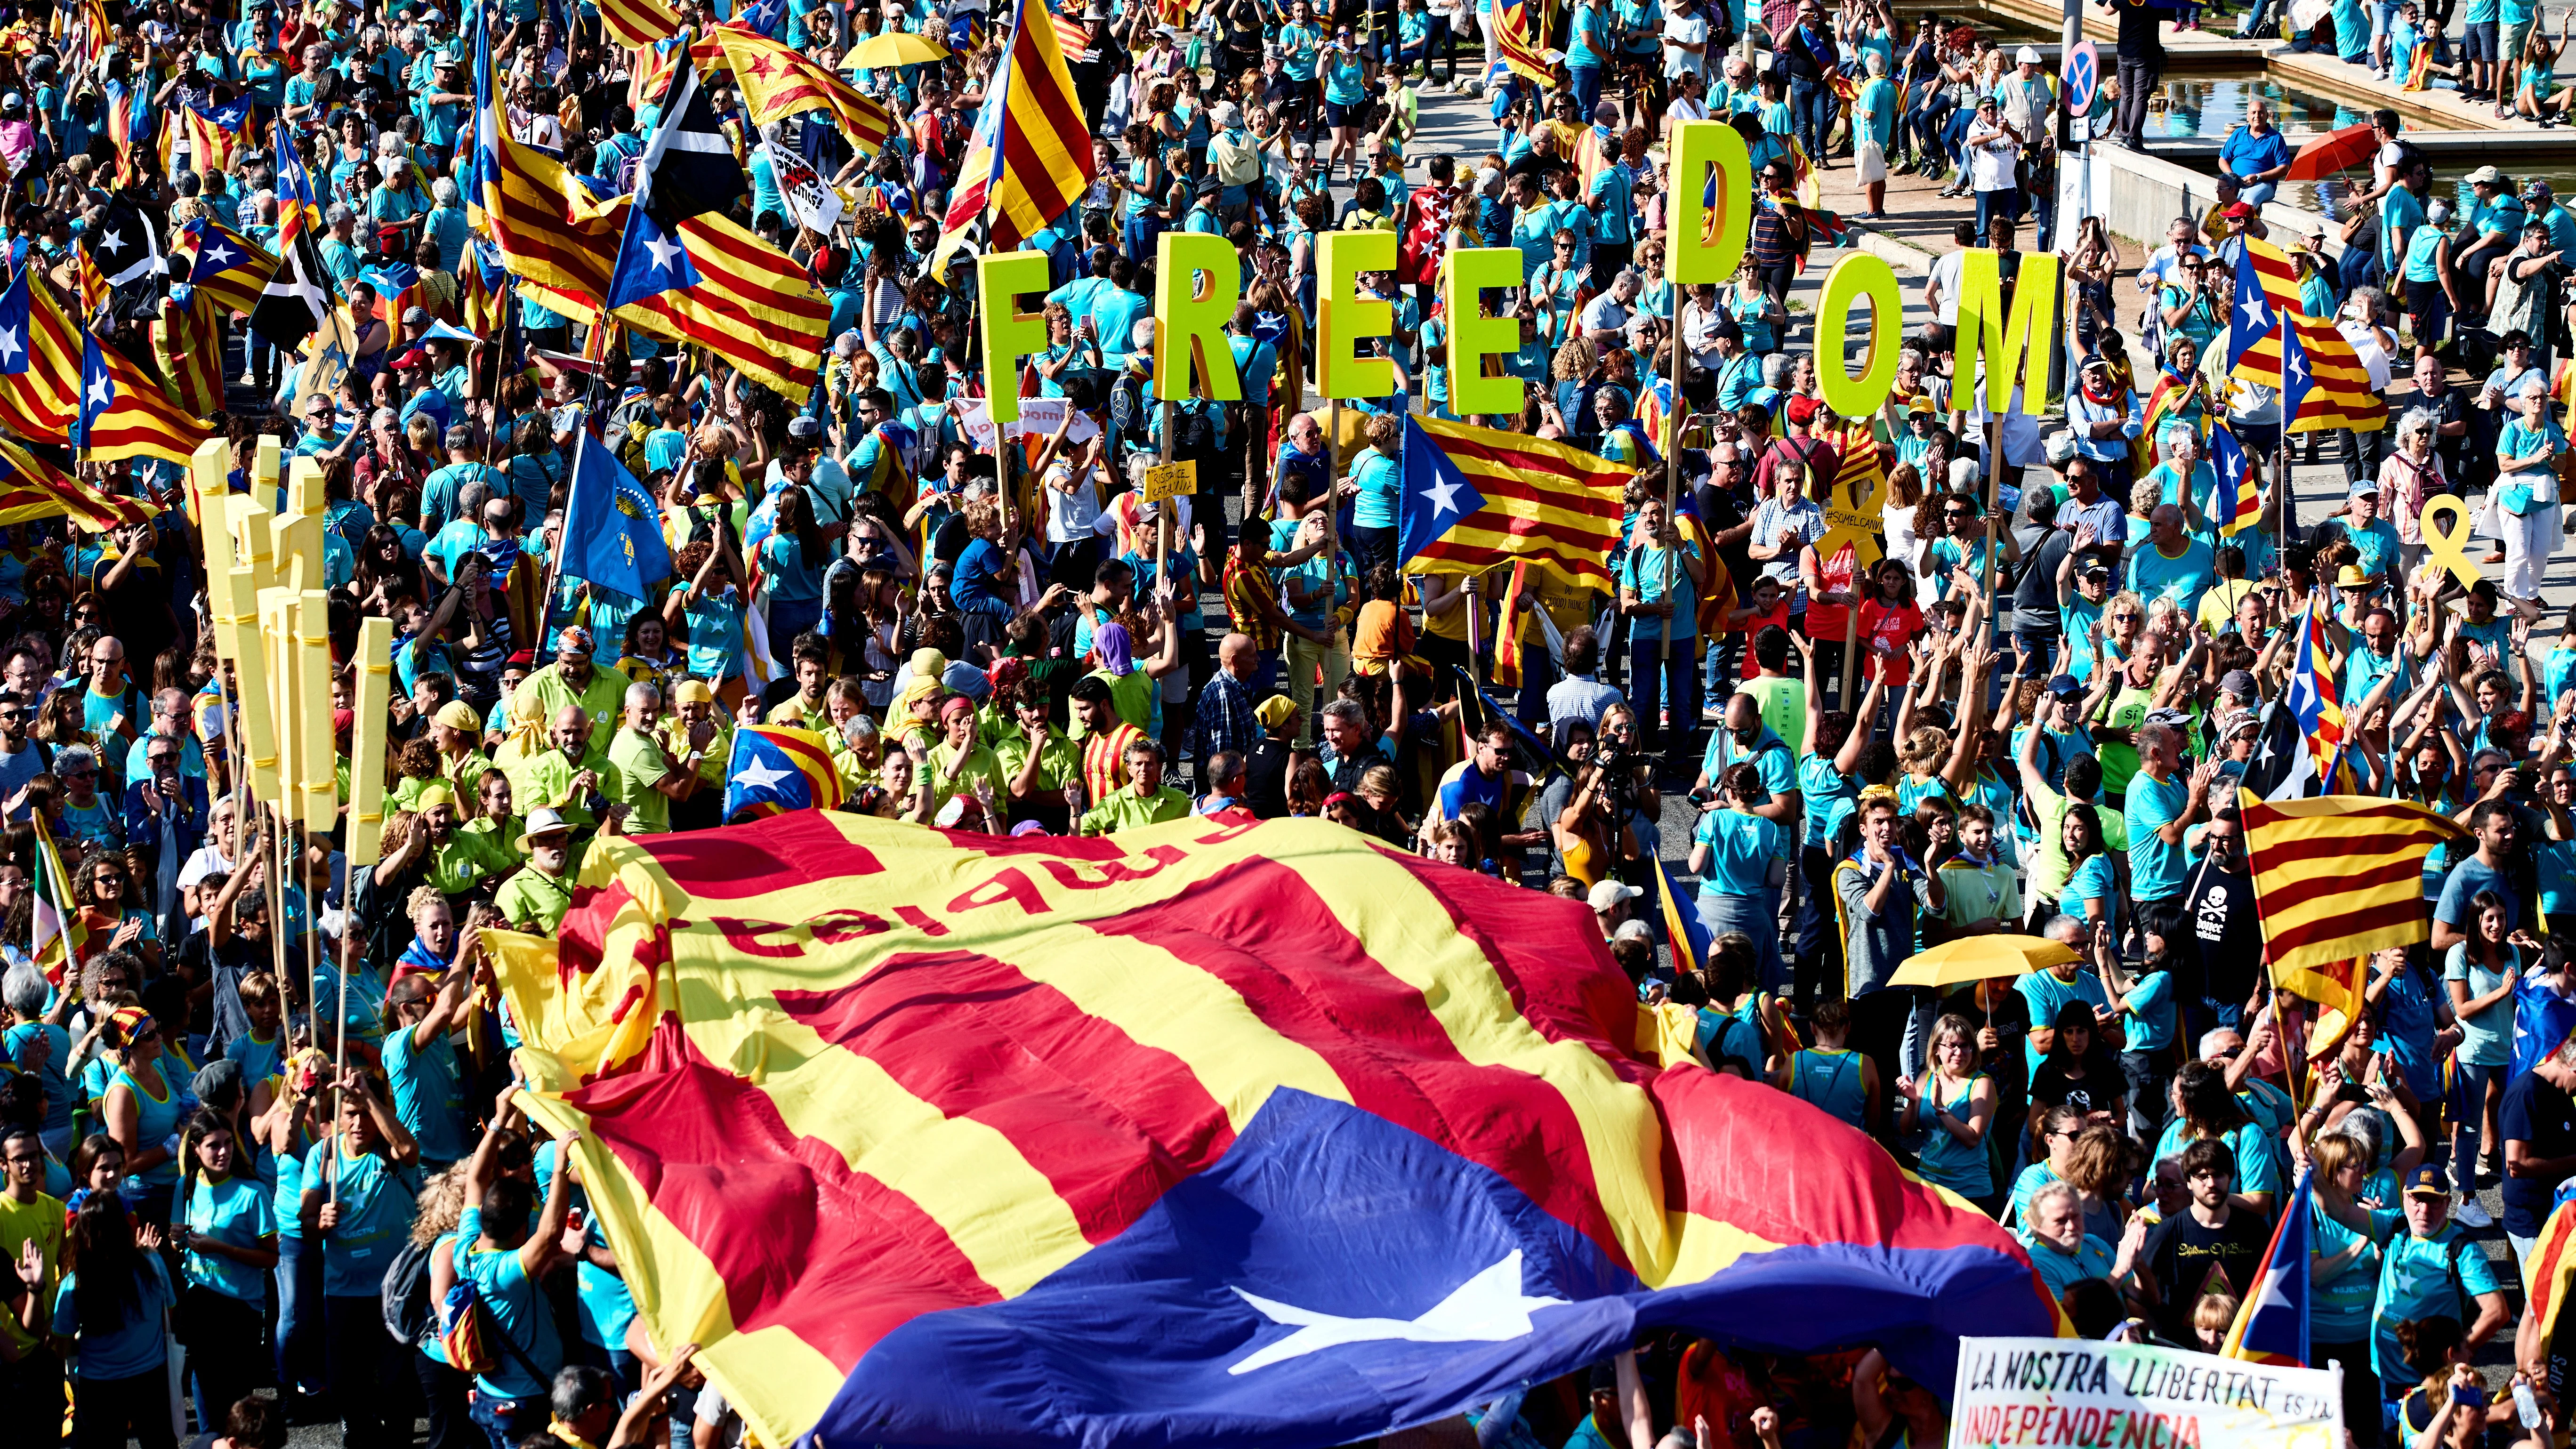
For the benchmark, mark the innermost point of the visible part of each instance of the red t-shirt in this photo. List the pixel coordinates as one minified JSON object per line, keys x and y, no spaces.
{"x":1895,"y":628}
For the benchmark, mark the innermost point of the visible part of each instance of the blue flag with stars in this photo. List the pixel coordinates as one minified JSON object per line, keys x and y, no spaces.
{"x":14,"y":305}
{"x":2234,"y":502}
{"x":2253,"y":318}
{"x":98,"y":389}
{"x":612,"y":526}
{"x":2272,"y":1325}
{"x":1434,"y":492}
{"x":765,"y":17}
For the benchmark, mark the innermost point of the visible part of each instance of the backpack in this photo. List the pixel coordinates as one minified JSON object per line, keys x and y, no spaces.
{"x":404,"y":1299}
{"x":469,"y":1331}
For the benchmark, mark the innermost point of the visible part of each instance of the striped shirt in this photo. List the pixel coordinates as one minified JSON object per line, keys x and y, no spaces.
{"x":1104,"y":763}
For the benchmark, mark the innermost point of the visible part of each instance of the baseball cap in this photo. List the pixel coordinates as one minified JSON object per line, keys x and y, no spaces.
{"x":805,"y":426}
{"x":414,"y":358}
{"x":2485,"y":175}
{"x":2365,"y":487}
{"x":415,"y":314}
{"x":2066,"y":686}
{"x":2027,"y":55}
{"x":2234,"y":720}
{"x":2169,"y":718}
{"x":2425,"y":1180}
{"x":2238,"y":682}
{"x":2092,"y":568}
{"x":1802,"y":409}
{"x":1608,"y":893}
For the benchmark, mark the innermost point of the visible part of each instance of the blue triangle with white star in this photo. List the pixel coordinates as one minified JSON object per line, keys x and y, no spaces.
{"x":650,"y":261}
{"x":1434,"y":493}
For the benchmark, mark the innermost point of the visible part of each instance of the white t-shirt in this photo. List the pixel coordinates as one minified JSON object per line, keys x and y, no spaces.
{"x":1692,"y":30}
{"x":1070,"y":516}
{"x":1991,"y":155}
{"x":1945,"y":275}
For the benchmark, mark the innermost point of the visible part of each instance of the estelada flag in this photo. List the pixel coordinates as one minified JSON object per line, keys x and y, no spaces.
{"x":2272,"y":1322}
{"x":56,"y":934}
{"x":775,"y":769}
{"x":942,"y":1137}
{"x":1472,"y":497}
{"x":2547,"y":1272}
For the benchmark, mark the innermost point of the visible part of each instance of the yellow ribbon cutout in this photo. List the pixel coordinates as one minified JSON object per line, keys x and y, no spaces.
{"x":2449,"y":548}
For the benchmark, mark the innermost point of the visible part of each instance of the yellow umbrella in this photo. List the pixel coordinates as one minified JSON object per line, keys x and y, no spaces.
{"x":1976,"y":958}
{"x":895,"y":47}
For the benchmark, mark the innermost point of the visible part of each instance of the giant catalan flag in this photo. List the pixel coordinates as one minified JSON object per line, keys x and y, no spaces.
{"x":1208,"y":1132}
{"x":1031,"y":154}
{"x":2340,"y":876}
{"x":1476,"y":497}
{"x":778,"y":80}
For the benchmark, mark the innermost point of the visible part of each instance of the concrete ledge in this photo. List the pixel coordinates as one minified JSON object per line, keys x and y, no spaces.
{"x":1903,"y":255}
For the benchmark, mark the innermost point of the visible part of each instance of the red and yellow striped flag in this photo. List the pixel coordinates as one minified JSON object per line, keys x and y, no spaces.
{"x":56,"y":934}
{"x":2548,"y":1272}
{"x":1522,"y":44}
{"x":638,"y":23}
{"x":188,"y":346}
{"x":37,"y":403}
{"x":778,"y":80}
{"x":2341,"y":876}
{"x":33,"y":488}
{"x":1031,"y":158}
{"x":141,"y":419}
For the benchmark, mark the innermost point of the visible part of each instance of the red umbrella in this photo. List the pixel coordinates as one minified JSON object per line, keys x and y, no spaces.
{"x":2332,"y":152}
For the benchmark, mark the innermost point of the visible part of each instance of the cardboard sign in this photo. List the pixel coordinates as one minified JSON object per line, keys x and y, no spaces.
{"x":1171,"y":480}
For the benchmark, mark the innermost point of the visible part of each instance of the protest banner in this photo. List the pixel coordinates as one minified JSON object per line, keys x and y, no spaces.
{"x":2059,"y":1392}
{"x":1038,"y":418}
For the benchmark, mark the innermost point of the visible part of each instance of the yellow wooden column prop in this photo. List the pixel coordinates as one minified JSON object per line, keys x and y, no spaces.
{"x":255,"y":697}
{"x":1344,"y":319}
{"x":373,"y":700}
{"x":277,"y":620}
{"x":317,"y":757}
{"x":1197,"y":282}
{"x":254,"y":544}
{"x":1706,"y":243}
{"x":1474,"y":336}
{"x":1862,"y":275}
{"x":209,"y":480}
{"x":298,"y":531}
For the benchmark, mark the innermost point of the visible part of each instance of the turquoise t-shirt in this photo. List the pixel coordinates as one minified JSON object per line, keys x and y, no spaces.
{"x":1742,"y":846}
{"x":2150,"y":1007}
{"x":158,"y":1120}
{"x":428,"y":1097}
{"x":136,"y":1347}
{"x":2156,"y":869}
{"x":2153,"y":576}
{"x":1643,"y":570}
{"x":2418,"y":1278}
{"x":376,"y":1208}
{"x":236,"y":1213}
{"x":1378,"y":477}
{"x":2339,"y":1307}
{"x":2046,"y":994}
{"x":2257,"y":1152}
{"x":519,"y":1313}
{"x":2486,"y":1037}
{"x":1587,"y":25}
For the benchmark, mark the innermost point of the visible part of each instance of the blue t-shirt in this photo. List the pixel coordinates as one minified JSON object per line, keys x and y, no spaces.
{"x":235,"y":1212}
{"x":428,"y":1097}
{"x":2156,"y":869}
{"x":2486,"y":1037}
{"x":1742,"y":846}
{"x":1644,"y":570}
{"x":2150,"y":1006}
{"x":1378,"y":478}
{"x":2046,"y":994}
{"x":2339,"y":1307}
{"x":376,"y":1209}
{"x":518,"y":1310}
{"x":135,"y":1348}
{"x":2419,"y":1278}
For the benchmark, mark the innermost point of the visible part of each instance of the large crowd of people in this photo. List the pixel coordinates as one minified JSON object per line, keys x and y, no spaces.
{"x":254,"y":1096}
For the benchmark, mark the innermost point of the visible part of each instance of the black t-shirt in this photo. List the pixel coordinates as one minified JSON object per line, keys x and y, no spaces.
{"x":2541,"y":1116}
{"x":2181,"y":1252}
{"x":2141,"y":30}
{"x":2101,"y":1086}
{"x":2228,"y":936}
{"x":1265,"y":776}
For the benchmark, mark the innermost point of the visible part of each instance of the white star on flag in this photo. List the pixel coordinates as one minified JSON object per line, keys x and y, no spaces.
{"x":664,"y":251}
{"x":113,"y":241}
{"x":220,"y":254}
{"x":761,"y":775}
{"x":1444,"y":498}
{"x":2255,"y":311}
{"x":99,"y":393}
{"x":10,"y":347}
{"x":1488,"y":1308}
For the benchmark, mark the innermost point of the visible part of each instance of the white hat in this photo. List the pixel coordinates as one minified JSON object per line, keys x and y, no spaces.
{"x":2027,"y":55}
{"x":1608,"y":893}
